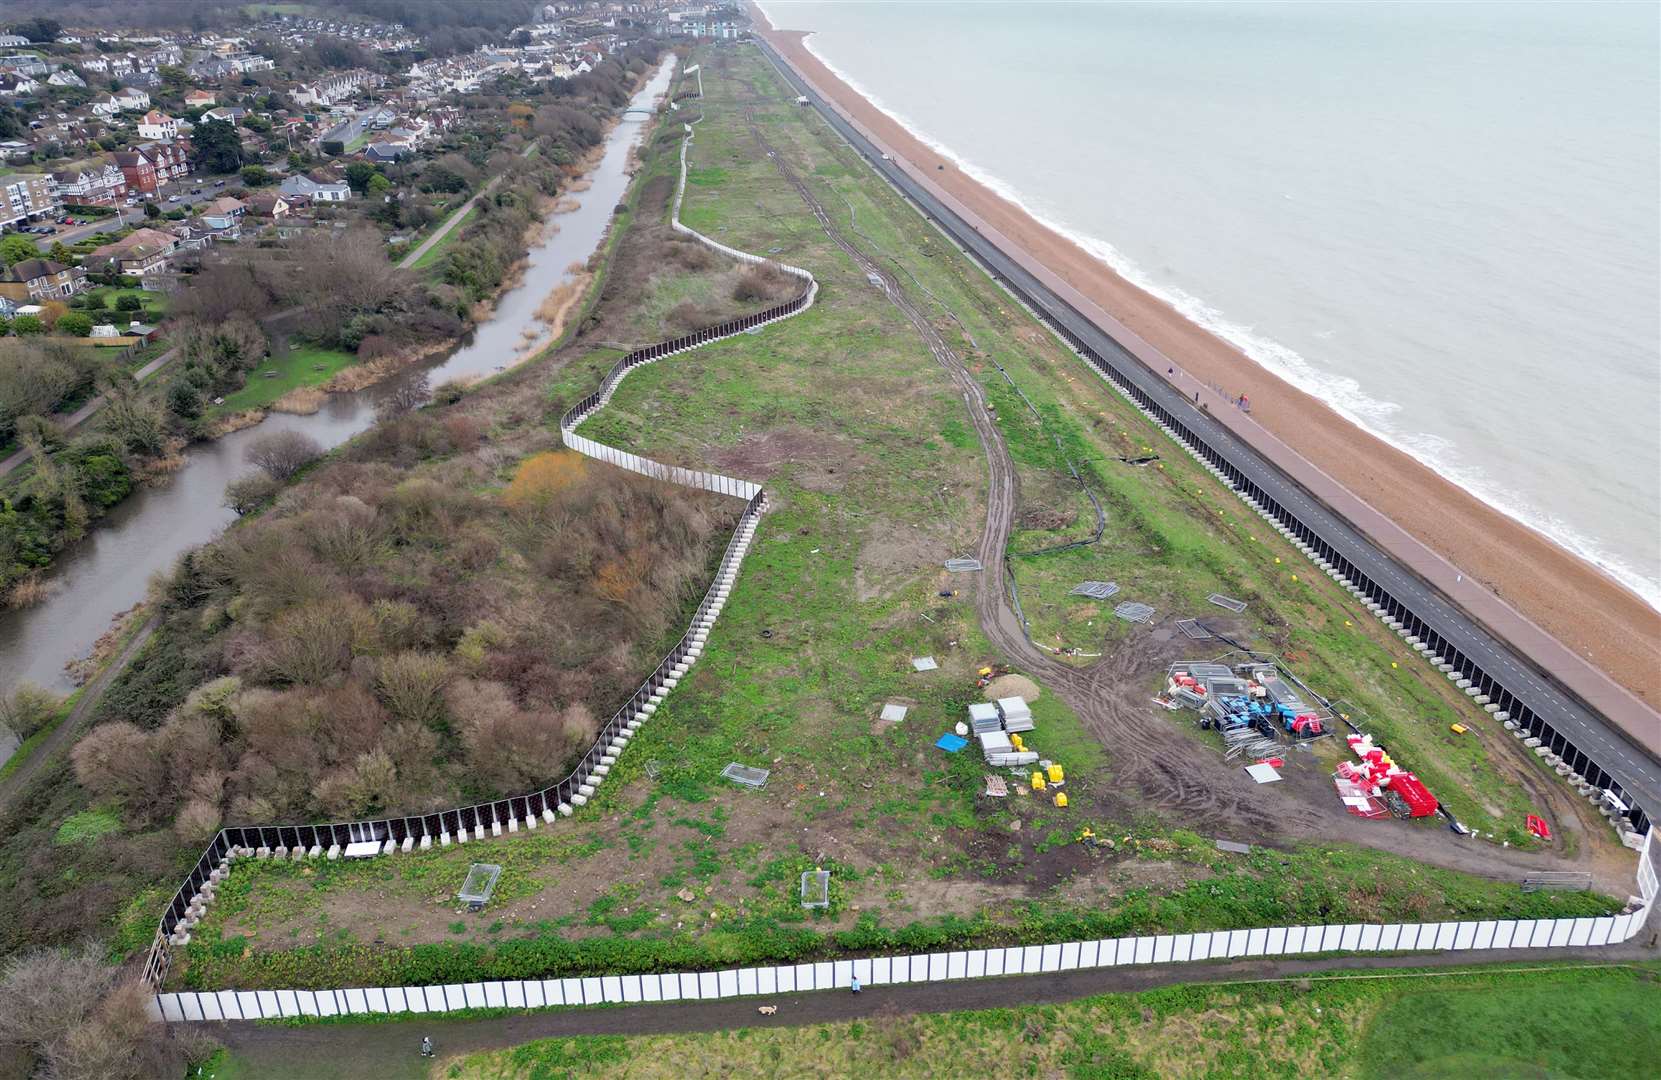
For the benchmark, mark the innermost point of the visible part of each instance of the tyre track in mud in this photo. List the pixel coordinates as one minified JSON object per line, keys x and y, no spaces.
{"x":1149,"y":757}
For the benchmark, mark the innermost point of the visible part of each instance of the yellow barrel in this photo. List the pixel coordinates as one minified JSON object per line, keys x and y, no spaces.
{"x":1056,"y":775}
{"x":1015,"y":741}
{"x":1061,"y":798}
{"x":1038,"y":781}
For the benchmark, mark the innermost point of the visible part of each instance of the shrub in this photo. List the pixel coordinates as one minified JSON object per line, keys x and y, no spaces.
{"x":283,"y":453}
{"x":74,"y":324}
{"x":250,"y":491}
{"x":28,"y":709}
{"x":128,"y":302}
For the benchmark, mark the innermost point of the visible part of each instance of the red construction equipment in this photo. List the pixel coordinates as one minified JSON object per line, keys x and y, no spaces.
{"x":1381,"y":777}
{"x":1538,"y":827}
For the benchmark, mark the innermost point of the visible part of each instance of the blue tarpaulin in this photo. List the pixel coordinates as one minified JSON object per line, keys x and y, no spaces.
{"x":951,"y":743}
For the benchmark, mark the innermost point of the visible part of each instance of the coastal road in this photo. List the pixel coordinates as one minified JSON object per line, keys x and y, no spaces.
{"x":1631,"y":765}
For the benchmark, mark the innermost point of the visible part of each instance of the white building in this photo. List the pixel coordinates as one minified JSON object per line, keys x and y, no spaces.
{"x":158,"y":125}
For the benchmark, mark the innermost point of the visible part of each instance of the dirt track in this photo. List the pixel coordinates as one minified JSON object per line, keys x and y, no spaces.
{"x":1154,"y":762}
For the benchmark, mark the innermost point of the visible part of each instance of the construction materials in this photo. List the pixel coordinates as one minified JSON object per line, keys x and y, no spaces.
{"x":1458,"y":729}
{"x":1236,"y":606}
{"x":1095,"y":590}
{"x":995,"y":742}
{"x":1263,"y":774}
{"x":893,"y":713}
{"x":1015,"y":714}
{"x":996,"y":788}
{"x":963,"y":566}
{"x":924,"y":663}
{"x":951,"y":743}
{"x":1231,"y":846}
{"x":984,"y":716}
{"x":1061,"y":798}
{"x":1054,"y":774}
{"x":1537,"y":826}
{"x":1381,"y":778}
{"x":747,"y":775}
{"x":1038,"y":781}
{"x":1192,"y":629}
{"x":1134,"y":611}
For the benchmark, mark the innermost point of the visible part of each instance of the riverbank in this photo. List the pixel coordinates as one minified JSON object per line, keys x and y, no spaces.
{"x":1591,"y":614}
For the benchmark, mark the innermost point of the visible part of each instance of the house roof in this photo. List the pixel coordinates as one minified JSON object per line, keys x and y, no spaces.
{"x":30,"y":269}
{"x":225,"y":204}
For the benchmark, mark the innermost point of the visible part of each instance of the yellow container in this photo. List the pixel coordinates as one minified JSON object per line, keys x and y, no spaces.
{"x":1056,"y":775}
{"x":1457,"y":729}
{"x":1038,"y":781}
{"x":1015,"y":741}
{"x":1061,"y":798}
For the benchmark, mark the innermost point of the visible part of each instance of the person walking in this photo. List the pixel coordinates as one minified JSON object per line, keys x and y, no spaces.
{"x":426,"y":1046}
{"x":855,"y":984}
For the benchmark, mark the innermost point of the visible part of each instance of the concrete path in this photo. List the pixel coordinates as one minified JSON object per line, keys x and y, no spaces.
{"x":455,"y":219}
{"x":71,"y":726}
{"x":80,"y":416}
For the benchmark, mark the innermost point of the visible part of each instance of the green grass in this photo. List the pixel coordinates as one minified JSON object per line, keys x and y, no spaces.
{"x":436,"y":252}
{"x":86,"y":826}
{"x":1541,"y":1022}
{"x":304,"y":366}
{"x":154,"y":301}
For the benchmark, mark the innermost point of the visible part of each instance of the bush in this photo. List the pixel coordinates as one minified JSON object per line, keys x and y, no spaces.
{"x":28,"y":709}
{"x":74,"y":324}
{"x":26,"y":325}
{"x":128,"y":302}
{"x":283,"y":453}
{"x":250,"y":491}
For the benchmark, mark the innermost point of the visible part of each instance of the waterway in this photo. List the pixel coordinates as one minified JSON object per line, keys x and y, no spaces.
{"x":109,"y":571}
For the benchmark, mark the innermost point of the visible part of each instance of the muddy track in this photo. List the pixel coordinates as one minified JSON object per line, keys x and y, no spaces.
{"x":1152,"y":761}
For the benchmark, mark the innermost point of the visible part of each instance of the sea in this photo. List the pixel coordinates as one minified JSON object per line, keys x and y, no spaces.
{"x":1443,"y":219}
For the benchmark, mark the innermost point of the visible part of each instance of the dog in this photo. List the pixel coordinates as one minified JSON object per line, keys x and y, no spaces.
{"x":768,"y":1010}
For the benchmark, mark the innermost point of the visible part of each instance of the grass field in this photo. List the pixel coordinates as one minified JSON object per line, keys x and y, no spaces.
{"x":303,"y":366}
{"x":1562,"y":1022}
{"x":875,"y":478}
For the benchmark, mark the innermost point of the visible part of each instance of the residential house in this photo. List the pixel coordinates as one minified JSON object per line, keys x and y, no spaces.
{"x":106,"y":108}
{"x":171,"y":159}
{"x":97,"y":183}
{"x":65,"y":77}
{"x":301,"y":186}
{"x":224,"y":212}
{"x":230,"y":114}
{"x":132,"y":99}
{"x":145,"y":251}
{"x":386,"y":151}
{"x":198,"y":99}
{"x":139,"y":172}
{"x":26,"y":197}
{"x":41,"y":279}
{"x":268,"y":205}
{"x":16,"y":86}
{"x":12,"y":41}
{"x":158,"y":125}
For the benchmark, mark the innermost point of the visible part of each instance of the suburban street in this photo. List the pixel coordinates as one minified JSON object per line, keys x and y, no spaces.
{"x":134,"y":215}
{"x":1638,"y":775}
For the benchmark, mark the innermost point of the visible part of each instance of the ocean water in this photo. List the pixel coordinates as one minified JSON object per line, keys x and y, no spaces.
{"x":1443,"y":219}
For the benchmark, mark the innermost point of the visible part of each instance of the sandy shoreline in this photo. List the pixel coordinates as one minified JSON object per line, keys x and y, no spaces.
{"x":1575,"y":602}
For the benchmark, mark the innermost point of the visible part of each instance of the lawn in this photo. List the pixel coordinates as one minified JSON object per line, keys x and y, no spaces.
{"x":158,"y":302}
{"x":304,"y":366}
{"x":874,"y":480}
{"x":1541,"y":1022}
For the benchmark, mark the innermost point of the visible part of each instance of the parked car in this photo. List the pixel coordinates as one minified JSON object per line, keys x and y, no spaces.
{"x":219,"y":183}
{"x":172,"y":198}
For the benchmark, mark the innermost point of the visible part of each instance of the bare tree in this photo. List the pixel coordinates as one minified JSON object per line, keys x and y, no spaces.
{"x":283,"y":453}
{"x":117,"y":760}
{"x":412,"y":686}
